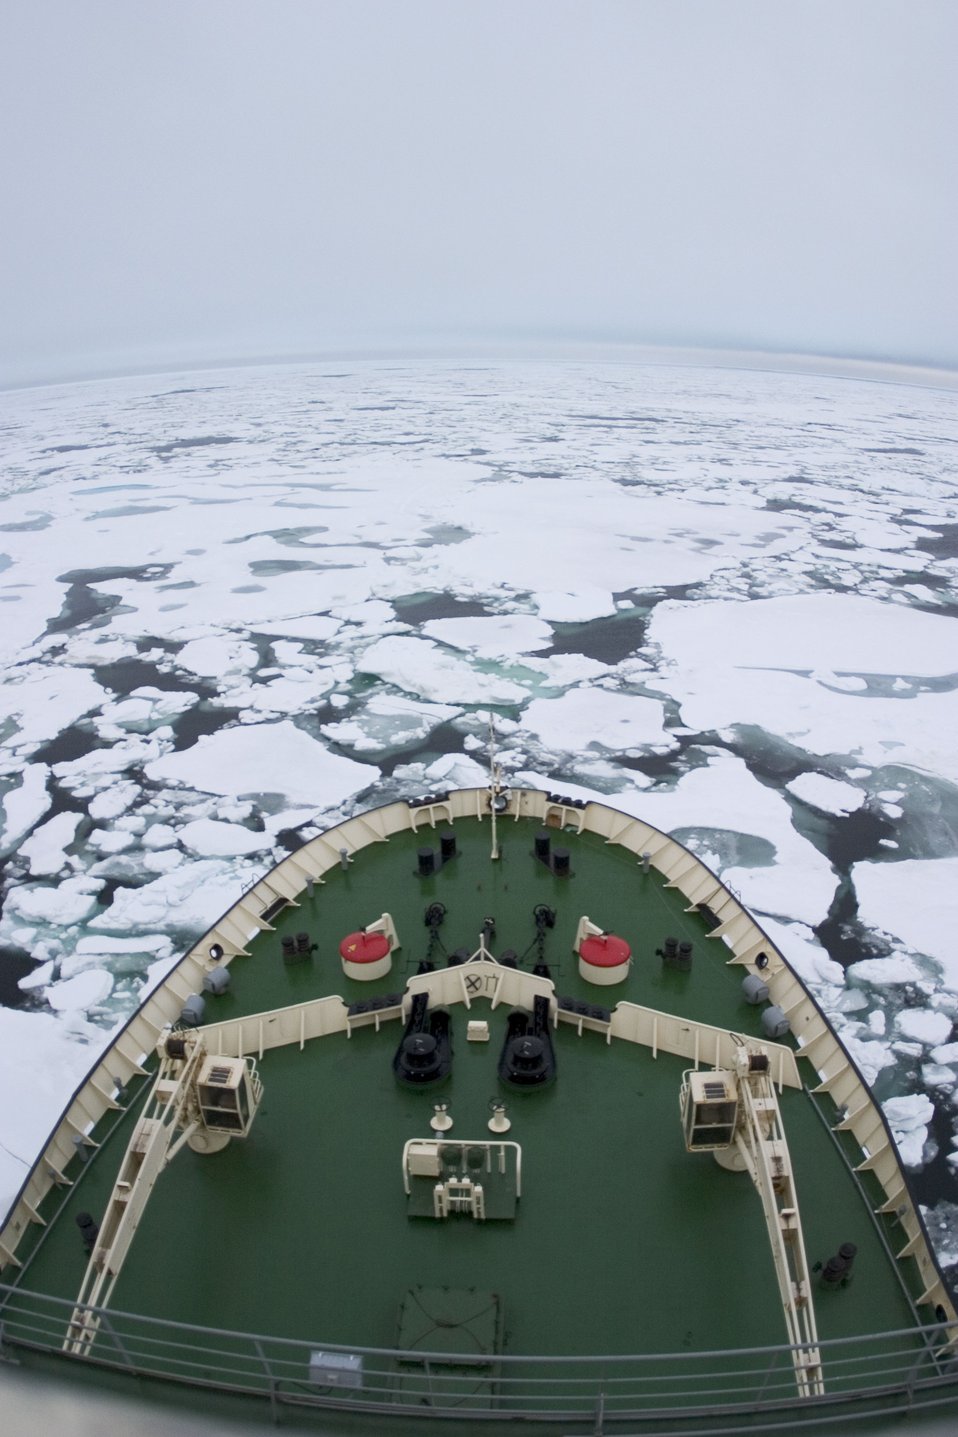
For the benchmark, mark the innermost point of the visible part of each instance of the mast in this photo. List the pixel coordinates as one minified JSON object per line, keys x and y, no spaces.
{"x":495,"y":789}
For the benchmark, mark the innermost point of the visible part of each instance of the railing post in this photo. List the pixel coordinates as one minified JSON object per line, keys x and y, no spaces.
{"x":6,"y":1356}
{"x":599,"y":1427}
{"x":912,"y":1379}
{"x":772,"y":1364}
{"x":270,"y":1381}
{"x":107,"y":1326}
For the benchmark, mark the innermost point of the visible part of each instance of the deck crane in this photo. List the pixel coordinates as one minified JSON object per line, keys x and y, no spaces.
{"x":196,"y":1099}
{"x":734,"y":1114}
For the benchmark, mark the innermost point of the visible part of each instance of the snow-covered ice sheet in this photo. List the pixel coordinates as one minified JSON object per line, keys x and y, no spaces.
{"x":276,"y":759}
{"x":597,"y":718}
{"x":914,"y":901}
{"x":829,"y":795}
{"x":842,"y":632}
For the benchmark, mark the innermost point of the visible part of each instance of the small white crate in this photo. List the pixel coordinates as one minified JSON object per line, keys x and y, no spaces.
{"x":336,"y":1369}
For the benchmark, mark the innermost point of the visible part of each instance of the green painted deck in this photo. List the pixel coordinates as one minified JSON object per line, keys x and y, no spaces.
{"x":623,"y":1242}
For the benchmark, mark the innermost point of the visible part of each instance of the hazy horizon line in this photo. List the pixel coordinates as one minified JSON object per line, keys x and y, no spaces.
{"x":923,"y":374}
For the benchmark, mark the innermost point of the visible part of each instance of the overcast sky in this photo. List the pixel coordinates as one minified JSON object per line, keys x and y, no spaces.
{"x":197,"y":180}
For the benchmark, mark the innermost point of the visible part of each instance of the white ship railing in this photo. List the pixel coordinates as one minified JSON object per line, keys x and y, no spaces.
{"x":908,"y":1372}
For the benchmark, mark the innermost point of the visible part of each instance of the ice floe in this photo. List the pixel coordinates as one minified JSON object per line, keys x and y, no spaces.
{"x":66,"y":905}
{"x":25,"y":805}
{"x":828,"y":795}
{"x":45,"y":849}
{"x":597,"y":718}
{"x":78,"y":994}
{"x":499,"y":636}
{"x":188,"y":900}
{"x":841,"y":632}
{"x":56,"y":1055}
{"x":916,"y":902}
{"x":574,"y":606}
{"x":277,"y":759}
{"x":924,"y":1026}
{"x":389,"y":722}
{"x":210,"y":836}
{"x":908,"y":1117}
{"x":425,"y":670}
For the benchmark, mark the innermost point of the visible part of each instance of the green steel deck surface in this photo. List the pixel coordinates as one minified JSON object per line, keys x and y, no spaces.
{"x":623,"y":1242}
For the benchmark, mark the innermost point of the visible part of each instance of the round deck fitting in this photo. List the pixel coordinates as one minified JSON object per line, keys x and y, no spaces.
{"x":604,"y":958}
{"x":365,"y":956}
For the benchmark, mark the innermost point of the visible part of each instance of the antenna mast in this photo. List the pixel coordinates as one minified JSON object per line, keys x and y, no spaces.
{"x":495,"y":788}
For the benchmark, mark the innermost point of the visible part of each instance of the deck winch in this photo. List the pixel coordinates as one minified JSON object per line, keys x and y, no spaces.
{"x":424,"y":1055}
{"x":527,"y":1059}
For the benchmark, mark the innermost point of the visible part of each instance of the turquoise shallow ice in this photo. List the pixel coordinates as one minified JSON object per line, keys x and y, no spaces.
{"x":239,"y":603}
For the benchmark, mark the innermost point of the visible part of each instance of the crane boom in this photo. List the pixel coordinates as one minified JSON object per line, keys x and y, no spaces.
{"x":760,"y":1139}
{"x":195,"y":1099}
{"x":735,"y":1115}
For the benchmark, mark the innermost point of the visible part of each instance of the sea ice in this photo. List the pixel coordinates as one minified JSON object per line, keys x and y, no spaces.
{"x":275,"y":758}
{"x":217,"y":656}
{"x":807,"y":632}
{"x":312,"y":627}
{"x":828,"y":795}
{"x":924,"y":1026}
{"x":113,"y":801}
{"x":582,"y":720}
{"x":162,"y":861}
{"x":98,"y":770}
{"x":45,"y":849}
{"x":869,"y":1055}
{"x":186,"y":901}
{"x":423,"y":669}
{"x":908,"y":1117}
{"x":55,"y":1058}
{"x":143,"y":710}
{"x":69,"y":903}
{"x":884,"y":972}
{"x":561,"y":671}
{"x":575,"y":606}
{"x":389,"y":722}
{"x":39,"y":978}
{"x":916,"y":902}
{"x":498,"y":636}
{"x":41,"y":701}
{"x":81,"y":993}
{"x":110,"y":840}
{"x":296,"y":691}
{"x":25,"y":805}
{"x":208,"y":837}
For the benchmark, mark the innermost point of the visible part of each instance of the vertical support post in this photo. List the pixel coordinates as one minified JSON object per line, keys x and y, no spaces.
{"x":107,"y":1326}
{"x":270,"y":1381}
{"x":494,"y":778}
